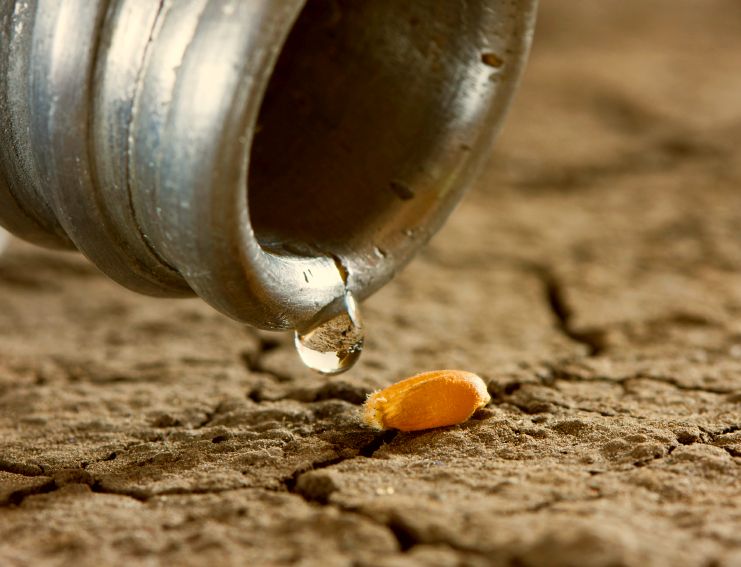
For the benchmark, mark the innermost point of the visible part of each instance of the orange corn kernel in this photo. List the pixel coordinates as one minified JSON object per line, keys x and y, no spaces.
{"x":427,"y":400}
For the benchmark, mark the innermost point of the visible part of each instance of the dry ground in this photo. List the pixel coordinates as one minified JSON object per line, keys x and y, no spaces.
{"x":593,"y":277}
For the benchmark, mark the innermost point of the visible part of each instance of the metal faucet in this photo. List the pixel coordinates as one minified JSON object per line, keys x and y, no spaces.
{"x":265,"y":155}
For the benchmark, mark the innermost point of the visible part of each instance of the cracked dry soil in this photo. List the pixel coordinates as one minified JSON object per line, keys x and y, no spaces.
{"x":592,"y":277}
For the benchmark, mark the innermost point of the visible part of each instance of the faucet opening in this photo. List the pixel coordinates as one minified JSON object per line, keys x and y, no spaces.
{"x":369,"y":118}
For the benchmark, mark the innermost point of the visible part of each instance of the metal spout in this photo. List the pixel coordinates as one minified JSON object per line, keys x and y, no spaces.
{"x":267,"y":155}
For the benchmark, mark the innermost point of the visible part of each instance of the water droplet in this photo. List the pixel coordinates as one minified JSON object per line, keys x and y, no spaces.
{"x":334,"y":346}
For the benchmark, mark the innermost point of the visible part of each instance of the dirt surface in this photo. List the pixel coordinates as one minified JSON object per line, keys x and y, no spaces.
{"x":592,"y":277}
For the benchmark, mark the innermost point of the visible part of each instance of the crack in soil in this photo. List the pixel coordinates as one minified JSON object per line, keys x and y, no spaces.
{"x":555,"y":293}
{"x":711,"y":437}
{"x":143,"y":496}
{"x":22,"y":469}
{"x":253,"y":363}
{"x":384,"y":438}
{"x":730,"y":429}
{"x":559,"y":373}
{"x":53,"y":484}
{"x":656,"y":457}
{"x":406,"y":535}
{"x":343,"y":391}
{"x":544,"y":406}
{"x":731,"y":451}
{"x":368,"y":451}
{"x":109,"y":457}
{"x":16,"y":498}
{"x":210,"y":416}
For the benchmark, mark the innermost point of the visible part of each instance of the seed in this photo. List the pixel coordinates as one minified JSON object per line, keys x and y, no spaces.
{"x":427,"y":400}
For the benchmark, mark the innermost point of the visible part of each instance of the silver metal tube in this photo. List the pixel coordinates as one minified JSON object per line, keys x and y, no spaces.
{"x":266,"y":155}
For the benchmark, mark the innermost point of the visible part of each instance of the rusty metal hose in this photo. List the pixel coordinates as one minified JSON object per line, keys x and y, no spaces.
{"x":266,"y":155}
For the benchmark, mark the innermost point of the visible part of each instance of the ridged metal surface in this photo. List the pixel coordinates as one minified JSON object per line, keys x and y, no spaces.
{"x":263,"y":154}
